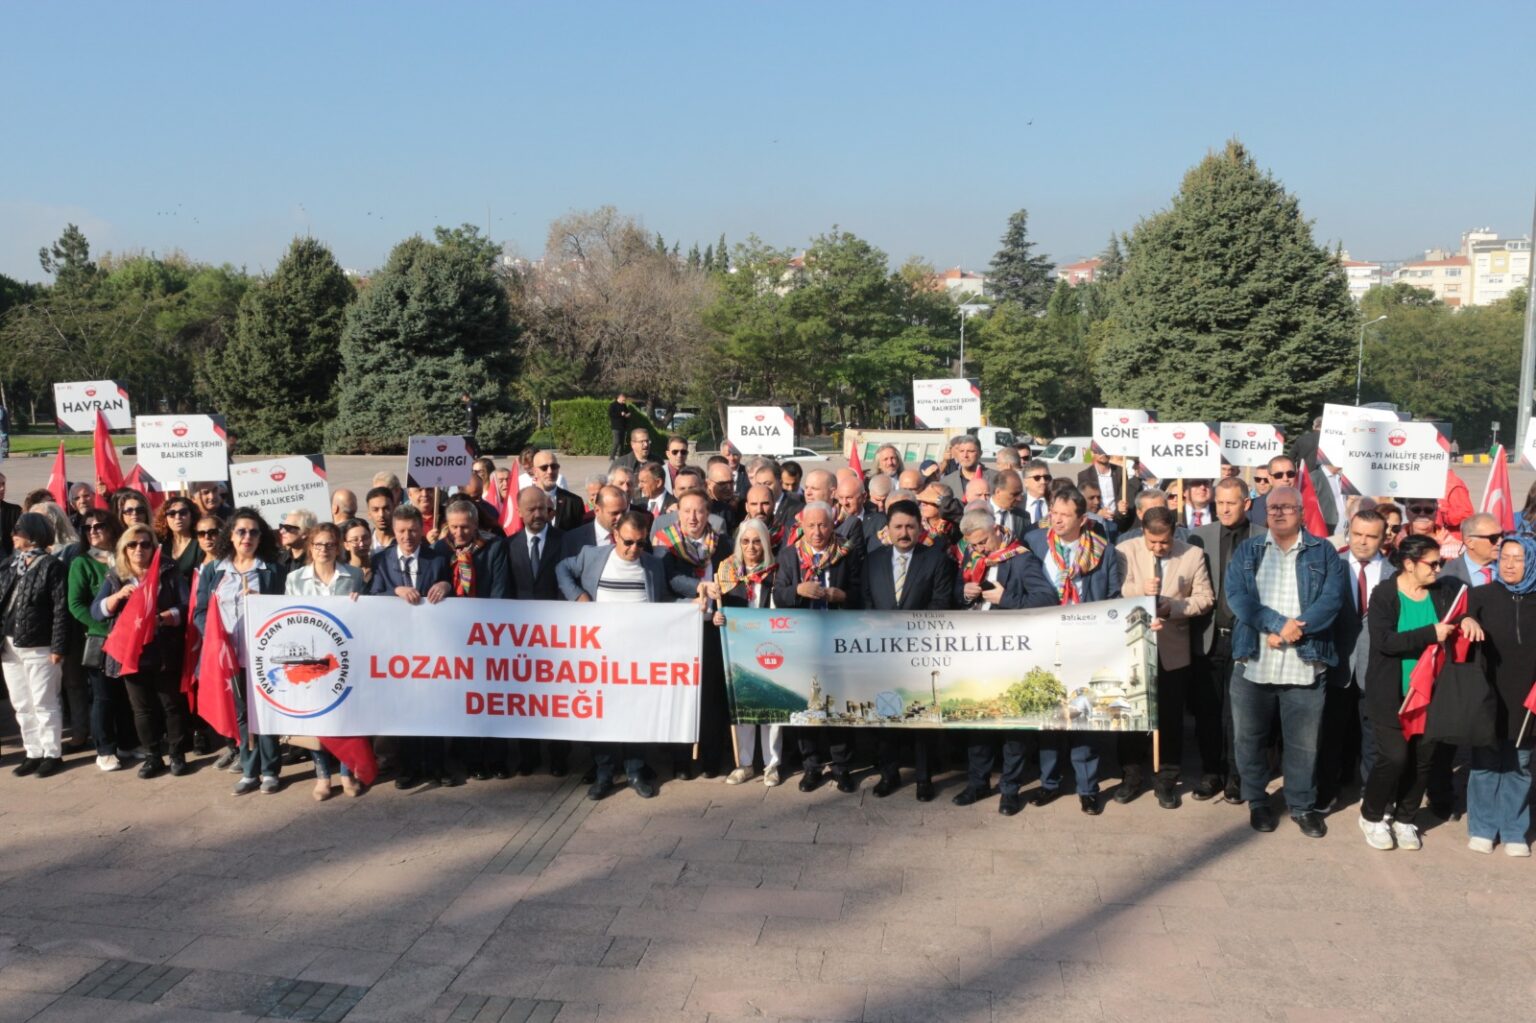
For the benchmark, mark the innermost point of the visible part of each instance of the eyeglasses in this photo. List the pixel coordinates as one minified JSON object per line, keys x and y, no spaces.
{"x":134,"y":509}
{"x":1261,"y":479}
{"x":95,"y":527}
{"x":1283,"y":475}
{"x":1395,"y":529}
{"x":357,"y":541}
{"x":321,"y":545}
{"x":1039,"y":477}
{"x":288,"y":527}
{"x":637,"y":541}
{"x":138,"y":545}
{"x":547,"y":468}
{"x":1436,"y":565}
{"x":1421,"y":509}
{"x":1283,"y":509}
{"x":207,"y":534}
{"x":177,"y":513}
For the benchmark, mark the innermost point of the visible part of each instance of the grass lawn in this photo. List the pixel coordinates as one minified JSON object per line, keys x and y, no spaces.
{"x":23,"y":444}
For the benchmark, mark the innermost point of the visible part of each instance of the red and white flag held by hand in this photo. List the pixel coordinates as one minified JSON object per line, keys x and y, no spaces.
{"x":109,"y":472}
{"x":58,"y":482}
{"x":356,"y":752}
{"x":853,"y":459}
{"x":1311,"y":512}
{"x":136,"y":619}
{"x":1421,"y":681}
{"x":511,"y":517}
{"x":217,"y":673}
{"x":1496,"y":495}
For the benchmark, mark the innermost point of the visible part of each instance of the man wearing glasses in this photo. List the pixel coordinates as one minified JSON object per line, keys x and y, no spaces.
{"x":1281,"y":472}
{"x":639,"y":450}
{"x":1284,"y":588}
{"x":569,"y":509}
{"x":1036,"y":504}
{"x":677,"y":458}
{"x":966,"y":451}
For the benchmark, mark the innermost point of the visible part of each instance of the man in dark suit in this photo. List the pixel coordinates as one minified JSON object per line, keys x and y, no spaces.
{"x":823,"y":573}
{"x":907,"y":576}
{"x":1035,"y":502}
{"x":639,"y":450}
{"x":861,"y":523}
{"x":415,"y":573}
{"x":732,"y":455}
{"x":765,"y":473}
{"x":725,"y":503}
{"x":9,"y":513}
{"x":1304,"y":451}
{"x":610,"y":507}
{"x":966,"y":451}
{"x":569,"y":509}
{"x":531,"y":555}
{"x":1211,"y":642}
{"x":1117,"y":488}
{"x":618,"y":423}
{"x":1006,"y":501}
{"x":692,"y":548}
{"x":653,"y":498}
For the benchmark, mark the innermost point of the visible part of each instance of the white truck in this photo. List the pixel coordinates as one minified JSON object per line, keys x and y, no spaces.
{"x":918,"y":446}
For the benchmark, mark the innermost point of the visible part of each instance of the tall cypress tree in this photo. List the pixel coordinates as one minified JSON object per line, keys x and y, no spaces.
{"x":275,"y":381}
{"x":1017,"y":274}
{"x":434,"y":324}
{"x":1227,"y":308}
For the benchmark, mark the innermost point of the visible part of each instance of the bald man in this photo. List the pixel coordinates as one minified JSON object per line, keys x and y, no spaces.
{"x":343,"y":506}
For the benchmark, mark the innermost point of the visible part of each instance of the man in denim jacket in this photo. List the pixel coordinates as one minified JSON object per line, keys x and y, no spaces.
{"x":1284,"y":587}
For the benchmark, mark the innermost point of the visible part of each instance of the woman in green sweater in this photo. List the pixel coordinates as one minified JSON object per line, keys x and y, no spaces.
{"x":99,"y":531}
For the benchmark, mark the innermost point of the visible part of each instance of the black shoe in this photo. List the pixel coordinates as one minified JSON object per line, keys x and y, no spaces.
{"x":178,"y":765}
{"x":1090,"y":805}
{"x":27,"y":766}
{"x":1208,"y":787}
{"x":1445,"y":811}
{"x":502,"y":774}
{"x":967,"y":796}
{"x":151,"y":766}
{"x":49,"y":765}
{"x":451,"y":781}
{"x":1233,"y":793}
{"x":642,"y":787}
{"x":1010,"y":804}
{"x":1130,"y":786}
{"x":1168,"y":798}
{"x":558,"y":771}
{"x":1261,"y":818}
{"x":1311,"y":824}
{"x":600,"y":788}
{"x":925,"y":792}
{"x":885,"y":786}
{"x":408,"y":781}
{"x":683,"y":774}
{"x":482,"y":774}
{"x":200,"y":745}
{"x":1044,"y":796}
{"x":590,"y":776}
{"x":810,"y":780}
{"x":845,"y":782}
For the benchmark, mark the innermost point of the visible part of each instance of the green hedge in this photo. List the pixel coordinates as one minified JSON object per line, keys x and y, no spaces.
{"x":580,"y":427}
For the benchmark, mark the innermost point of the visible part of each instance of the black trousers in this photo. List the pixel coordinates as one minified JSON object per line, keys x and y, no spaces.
{"x":823,"y":746}
{"x":618,"y":443}
{"x":981,"y":755}
{"x":1220,"y":661}
{"x":609,"y":757}
{"x":1338,"y":744}
{"x":1399,"y":774}
{"x":1441,"y":766}
{"x":1206,"y":698}
{"x":1135,"y":748}
{"x":888,"y":754}
{"x":160,"y":715}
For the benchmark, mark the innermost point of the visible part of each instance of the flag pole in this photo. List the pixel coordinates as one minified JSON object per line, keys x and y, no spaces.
{"x":1402,"y":706}
{"x":1523,"y":726}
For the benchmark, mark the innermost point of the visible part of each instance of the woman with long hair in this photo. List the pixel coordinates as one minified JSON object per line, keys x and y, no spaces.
{"x":95,"y":554}
{"x":206,"y":532}
{"x":176,"y":526}
{"x":357,"y":547}
{"x":132,"y":507}
{"x":745,"y":579}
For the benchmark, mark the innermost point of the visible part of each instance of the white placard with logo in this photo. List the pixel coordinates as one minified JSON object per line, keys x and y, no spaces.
{"x":277,"y":486}
{"x":507,"y":668}
{"x":438,"y":461}
{"x":1250,"y":444}
{"x":1528,"y":454}
{"x":951,"y":402}
{"x":1392,"y":459}
{"x":176,"y":450}
{"x":760,"y":429}
{"x":1172,"y":451}
{"x":1337,"y":419}
{"x":1117,"y":431}
{"x":75,"y":405}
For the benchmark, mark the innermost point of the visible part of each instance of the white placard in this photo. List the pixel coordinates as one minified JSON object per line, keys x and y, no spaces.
{"x":75,"y":405}
{"x":438,"y":461}
{"x":1117,"y":431}
{"x":760,"y":429}
{"x":1172,"y":451}
{"x":1398,"y":460}
{"x":174,"y":450}
{"x":1528,"y":454}
{"x":277,"y":486}
{"x":1250,"y":444}
{"x":1337,"y":420}
{"x":950,"y":402}
{"x":510,"y":668}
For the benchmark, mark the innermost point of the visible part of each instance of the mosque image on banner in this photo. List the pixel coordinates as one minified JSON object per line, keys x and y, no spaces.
{"x":1091,"y":685}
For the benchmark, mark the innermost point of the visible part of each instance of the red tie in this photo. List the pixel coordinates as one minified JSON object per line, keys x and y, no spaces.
{"x":1199,"y":518}
{"x":1363,"y":599}
{"x":1487,"y":574}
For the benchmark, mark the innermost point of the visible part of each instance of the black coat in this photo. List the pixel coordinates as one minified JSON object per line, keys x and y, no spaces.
{"x":570,"y":510}
{"x":1390,"y":648}
{"x":525,"y":584}
{"x":930,"y":584}
{"x":9,"y":513}
{"x":39,"y":615}
{"x":163,"y":653}
{"x":846,"y":575}
{"x":1510,"y":662}
{"x":490,"y":568}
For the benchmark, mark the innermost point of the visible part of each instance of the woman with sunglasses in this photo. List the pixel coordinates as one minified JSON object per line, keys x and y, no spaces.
{"x":323,"y":576}
{"x":160,"y":714}
{"x":357,"y":548}
{"x":174,"y":525}
{"x":206,"y":531}
{"x":95,"y":554}
{"x":132,"y":507}
{"x":1408,"y":612}
{"x":246,"y":564}
{"x":34,"y":635}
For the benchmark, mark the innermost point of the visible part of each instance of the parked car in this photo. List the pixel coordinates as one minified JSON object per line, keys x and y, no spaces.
{"x":1066,"y":449}
{"x":807,"y":455}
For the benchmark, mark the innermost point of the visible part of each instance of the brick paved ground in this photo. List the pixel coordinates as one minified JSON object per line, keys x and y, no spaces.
{"x":128,"y":900}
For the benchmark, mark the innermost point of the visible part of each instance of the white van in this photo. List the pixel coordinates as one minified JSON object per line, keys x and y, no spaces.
{"x":1067,"y":449}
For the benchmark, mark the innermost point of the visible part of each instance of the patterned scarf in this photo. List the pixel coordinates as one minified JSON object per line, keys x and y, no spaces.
{"x":813,"y":561}
{"x":25,"y":559}
{"x":697,"y":554}
{"x":1090,"y":551}
{"x":974,"y":564}
{"x":463,"y":571}
{"x":732,"y":575}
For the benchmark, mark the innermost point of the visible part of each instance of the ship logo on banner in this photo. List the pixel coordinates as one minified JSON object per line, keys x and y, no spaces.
{"x":300,"y":662}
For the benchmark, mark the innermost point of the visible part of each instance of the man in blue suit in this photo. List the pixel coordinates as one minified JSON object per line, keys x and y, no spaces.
{"x":412,"y":572}
{"x":1082,"y":568}
{"x":624,"y":572}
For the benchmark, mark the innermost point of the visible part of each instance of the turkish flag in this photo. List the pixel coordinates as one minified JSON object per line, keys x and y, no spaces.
{"x":58,"y":483}
{"x":511,"y":517}
{"x":144,"y":485}
{"x":217,"y":671}
{"x":1421,"y":682}
{"x":1496,"y":496}
{"x":191,"y":646}
{"x":356,"y":752}
{"x":135,"y":625}
{"x":1311,"y":512}
{"x":853,"y":460}
{"x":109,"y":472}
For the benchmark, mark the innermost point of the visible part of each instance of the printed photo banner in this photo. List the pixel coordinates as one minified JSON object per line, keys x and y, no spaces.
{"x":522,"y":669}
{"x":1089,"y":667}
{"x":76,"y":403}
{"x":438,"y":461}
{"x":1392,"y":459}
{"x":1250,"y":444}
{"x":179,"y":450}
{"x":1174,"y":451}
{"x":760,"y":429}
{"x":952,"y":401}
{"x":1117,"y":431}
{"x":277,"y":486}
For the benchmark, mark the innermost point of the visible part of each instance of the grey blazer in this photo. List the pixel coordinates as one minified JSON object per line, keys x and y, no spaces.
{"x":580,"y":574}
{"x":1350,"y":636}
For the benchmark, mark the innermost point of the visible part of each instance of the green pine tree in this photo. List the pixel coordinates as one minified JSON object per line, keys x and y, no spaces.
{"x":275,"y":381}
{"x":1017,"y":274}
{"x":722,"y":255}
{"x":433,"y":324}
{"x":1227,"y":308}
{"x":69,"y":261}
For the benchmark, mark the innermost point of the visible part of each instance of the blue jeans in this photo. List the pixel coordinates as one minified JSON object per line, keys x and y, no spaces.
{"x":1301,"y":718}
{"x":258,"y":753}
{"x":326,"y":765}
{"x":1085,"y":761}
{"x":106,"y":695}
{"x":1499,"y":793}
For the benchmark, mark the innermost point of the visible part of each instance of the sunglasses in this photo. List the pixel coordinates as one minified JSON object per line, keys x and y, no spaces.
{"x":95,"y":527}
{"x":551,"y":467}
{"x":1037,"y":478}
{"x":288,"y":528}
{"x":1436,"y":565}
{"x":207,"y":534}
{"x":628,"y":543}
{"x":245,"y":532}
{"x":132,"y":545}
{"x":177,"y":513}
{"x":1491,"y":538}
{"x":134,"y":509}
{"x":1283,"y":475}
{"x":1395,"y":529}
{"x":677,"y":451}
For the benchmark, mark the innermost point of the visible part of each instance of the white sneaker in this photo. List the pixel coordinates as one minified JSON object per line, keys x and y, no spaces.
{"x":1378,"y":834}
{"x":1480,"y":845}
{"x":1407,"y":836}
{"x":771,"y":777}
{"x":741,"y":774}
{"x":1516,"y":849}
{"x":109,"y":762}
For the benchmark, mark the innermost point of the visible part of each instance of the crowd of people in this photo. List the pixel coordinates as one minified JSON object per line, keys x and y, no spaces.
{"x":1285,"y":648}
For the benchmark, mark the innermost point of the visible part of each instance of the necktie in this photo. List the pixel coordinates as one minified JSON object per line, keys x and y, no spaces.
{"x":1199,"y":517}
{"x":1364,"y":596}
{"x":1487,"y":571}
{"x":901,"y":575}
{"x":1037,"y":511}
{"x":407,"y":566}
{"x":534,"y":542}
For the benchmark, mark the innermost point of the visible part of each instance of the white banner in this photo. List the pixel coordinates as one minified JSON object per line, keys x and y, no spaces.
{"x":1398,"y":460}
{"x":438,"y":462}
{"x":509,"y":668}
{"x":1528,"y":455}
{"x":953,"y":401}
{"x":1250,"y":444}
{"x":760,"y":429}
{"x":277,"y":486}
{"x":1117,"y":431}
{"x":1172,"y":451}
{"x":182,"y":449}
{"x":75,"y":405}
{"x":1337,"y":420}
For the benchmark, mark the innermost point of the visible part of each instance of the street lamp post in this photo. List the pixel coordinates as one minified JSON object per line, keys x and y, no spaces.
{"x":967,"y":310}
{"x":1360,"y":356}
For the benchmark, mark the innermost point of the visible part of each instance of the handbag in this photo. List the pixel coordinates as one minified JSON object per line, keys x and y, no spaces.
{"x":94,"y":655}
{"x":1464,"y":708}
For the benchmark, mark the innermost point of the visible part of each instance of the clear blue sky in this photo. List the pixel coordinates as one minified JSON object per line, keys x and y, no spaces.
{"x":223,"y":129}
